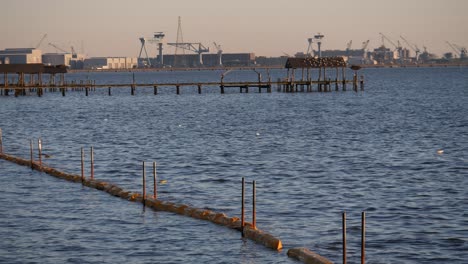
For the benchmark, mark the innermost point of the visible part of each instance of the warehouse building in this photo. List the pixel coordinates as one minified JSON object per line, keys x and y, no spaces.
{"x":108,"y":63}
{"x":20,"y":56}
{"x":57,"y":59}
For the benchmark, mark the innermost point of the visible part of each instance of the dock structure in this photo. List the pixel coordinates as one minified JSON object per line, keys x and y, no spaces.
{"x":35,"y":80}
{"x":290,"y":84}
{"x":323,"y":81}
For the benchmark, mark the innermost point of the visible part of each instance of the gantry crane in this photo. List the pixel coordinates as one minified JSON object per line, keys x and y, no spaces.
{"x":413,"y":47}
{"x":309,"y":48}
{"x":196,"y":47}
{"x":156,"y":39}
{"x":220,"y":53}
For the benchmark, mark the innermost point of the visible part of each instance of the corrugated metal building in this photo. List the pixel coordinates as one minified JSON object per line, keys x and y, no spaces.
{"x":20,"y":56}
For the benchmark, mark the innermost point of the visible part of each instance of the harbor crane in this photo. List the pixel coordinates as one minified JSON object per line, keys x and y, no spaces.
{"x":397,"y":47}
{"x":309,"y":48}
{"x":459,"y":50}
{"x":415,"y":48}
{"x":319,"y":38}
{"x":40,"y":41}
{"x":73,"y":52}
{"x":58,"y":48}
{"x":156,"y":39}
{"x":220,"y":53}
{"x":196,"y":47}
{"x":348,"y":47}
{"x":364,"y":45}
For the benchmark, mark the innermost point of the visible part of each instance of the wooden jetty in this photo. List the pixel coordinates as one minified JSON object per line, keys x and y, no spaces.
{"x":290,"y":84}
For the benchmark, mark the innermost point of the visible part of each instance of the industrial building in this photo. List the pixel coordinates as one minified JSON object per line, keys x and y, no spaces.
{"x":108,"y":63}
{"x":57,"y":59}
{"x":209,"y":60}
{"x":20,"y":56}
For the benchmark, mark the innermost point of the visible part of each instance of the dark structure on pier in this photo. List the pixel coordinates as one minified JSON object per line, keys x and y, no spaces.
{"x":35,"y":72}
{"x":324,"y":81}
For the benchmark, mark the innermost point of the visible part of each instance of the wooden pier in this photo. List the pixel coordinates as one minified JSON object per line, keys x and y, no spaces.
{"x":290,"y":84}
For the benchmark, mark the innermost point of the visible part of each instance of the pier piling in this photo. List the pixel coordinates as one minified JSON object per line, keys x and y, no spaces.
{"x":155,"y":189}
{"x":144,"y":183}
{"x":243,"y":207}
{"x":254,"y":216}
{"x":344,"y":236}
{"x":82,"y":166}
{"x":39,"y":147}
{"x":32,"y":155}
{"x":1,"y":141}
{"x":363,"y":238}
{"x":92,"y":162}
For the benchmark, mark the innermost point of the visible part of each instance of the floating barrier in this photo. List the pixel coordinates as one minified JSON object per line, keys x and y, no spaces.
{"x":307,"y":256}
{"x":249,"y":230}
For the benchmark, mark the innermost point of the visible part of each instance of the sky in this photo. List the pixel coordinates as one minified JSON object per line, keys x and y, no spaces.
{"x":264,"y":27}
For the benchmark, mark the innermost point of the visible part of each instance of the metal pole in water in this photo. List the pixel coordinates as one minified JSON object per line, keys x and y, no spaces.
{"x":144,"y":183}
{"x":254,"y":218}
{"x":39,"y":146}
{"x":344,"y":237}
{"x":92,"y":163}
{"x":1,"y":141}
{"x":155,"y":190}
{"x":32,"y":158}
{"x":242,"y":207}
{"x":82,"y":165}
{"x":363,"y":238}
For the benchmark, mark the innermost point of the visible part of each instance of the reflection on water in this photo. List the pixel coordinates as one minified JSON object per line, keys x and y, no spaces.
{"x":313,"y":155}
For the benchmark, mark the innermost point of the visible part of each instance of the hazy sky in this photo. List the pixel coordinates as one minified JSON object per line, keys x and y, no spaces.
{"x":266,"y":27}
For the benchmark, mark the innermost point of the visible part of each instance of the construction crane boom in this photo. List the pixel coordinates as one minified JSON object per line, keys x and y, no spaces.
{"x":413,"y":47}
{"x":389,"y":40}
{"x":40,"y":41}
{"x":55,"y":46}
{"x":365,"y":44}
{"x":349,"y":44}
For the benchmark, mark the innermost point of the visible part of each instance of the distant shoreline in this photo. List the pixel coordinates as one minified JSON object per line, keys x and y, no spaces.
{"x":438,"y":65}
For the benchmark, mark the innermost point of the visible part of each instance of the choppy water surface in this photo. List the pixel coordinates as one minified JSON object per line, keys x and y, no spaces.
{"x":313,"y":156}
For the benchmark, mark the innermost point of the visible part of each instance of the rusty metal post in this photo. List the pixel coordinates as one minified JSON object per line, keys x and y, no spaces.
{"x":1,"y":141}
{"x":144,"y":183}
{"x":92,"y":162}
{"x":254,"y":216}
{"x":155,"y":188}
{"x":82,"y":165}
{"x":32,"y":157}
{"x":39,"y":147}
{"x":363,"y":238}
{"x":344,"y":237}
{"x":243,"y":207}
